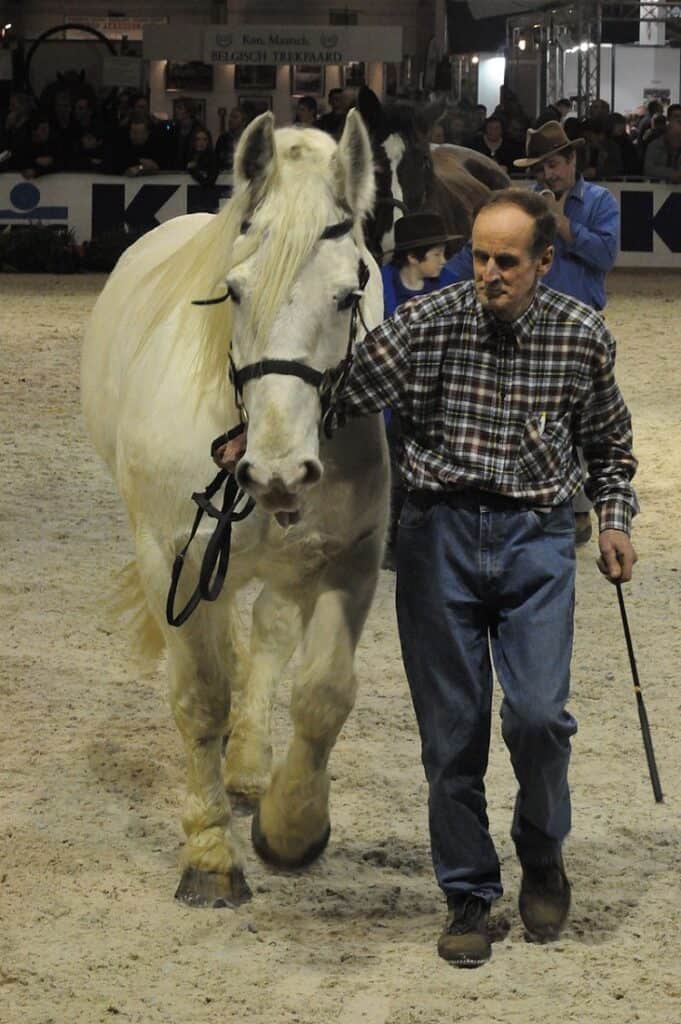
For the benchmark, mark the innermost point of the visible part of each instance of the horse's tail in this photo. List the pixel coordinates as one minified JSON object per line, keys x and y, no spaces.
{"x":128,"y":603}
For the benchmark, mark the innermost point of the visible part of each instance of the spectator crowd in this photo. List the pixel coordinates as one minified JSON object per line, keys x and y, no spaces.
{"x":69,"y":131}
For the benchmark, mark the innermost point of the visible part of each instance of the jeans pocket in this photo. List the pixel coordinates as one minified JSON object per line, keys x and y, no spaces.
{"x":415,"y":510}
{"x":556,"y":521}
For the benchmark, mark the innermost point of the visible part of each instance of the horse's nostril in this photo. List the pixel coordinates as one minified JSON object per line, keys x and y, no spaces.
{"x":243,"y":473}
{"x":313,"y":471}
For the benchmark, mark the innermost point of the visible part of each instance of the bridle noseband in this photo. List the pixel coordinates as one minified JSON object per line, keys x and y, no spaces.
{"x":326,"y":382}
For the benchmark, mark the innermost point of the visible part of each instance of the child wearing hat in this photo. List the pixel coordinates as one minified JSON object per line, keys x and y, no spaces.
{"x":417,"y":267}
{"x":418,"y":260}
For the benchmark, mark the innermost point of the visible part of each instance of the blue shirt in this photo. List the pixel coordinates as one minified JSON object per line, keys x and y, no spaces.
{"x":579,"y":268}
{"x":395,"y":292}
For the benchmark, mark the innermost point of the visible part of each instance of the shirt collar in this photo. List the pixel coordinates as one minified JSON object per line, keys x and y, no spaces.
{"x":517,"y":331}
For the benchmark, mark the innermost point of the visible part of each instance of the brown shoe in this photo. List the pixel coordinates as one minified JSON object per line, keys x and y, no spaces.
{"x":582,"y":528}
{"x":544,"y":901}
{"x":465,"y":939}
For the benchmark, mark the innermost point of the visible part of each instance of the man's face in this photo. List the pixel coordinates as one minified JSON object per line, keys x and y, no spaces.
{"x":235,"y":122}
{"x":506,"y":272}
{"x":494,"y":131}
{"x":560,"y":173}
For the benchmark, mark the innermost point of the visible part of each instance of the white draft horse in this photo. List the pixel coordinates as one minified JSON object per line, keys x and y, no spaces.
{"x":288,"y":247}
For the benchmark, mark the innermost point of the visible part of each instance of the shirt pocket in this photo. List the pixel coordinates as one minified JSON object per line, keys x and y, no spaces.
{"x":544,"y":445}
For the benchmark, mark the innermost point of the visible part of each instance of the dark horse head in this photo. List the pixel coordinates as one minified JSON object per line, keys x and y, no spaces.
{"x":412,"y":176}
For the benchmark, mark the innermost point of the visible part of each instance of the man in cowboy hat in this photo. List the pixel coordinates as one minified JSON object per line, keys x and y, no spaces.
{"x":417,"y":267}
{"x":587,"y":238}
{"x":496,"y":380}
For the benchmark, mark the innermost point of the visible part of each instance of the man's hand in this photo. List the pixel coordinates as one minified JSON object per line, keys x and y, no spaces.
{"x":228,"y":454}
{"x":618,"y":556}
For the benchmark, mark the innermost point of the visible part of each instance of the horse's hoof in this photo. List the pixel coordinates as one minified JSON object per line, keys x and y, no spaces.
{"x":211,"y":889}
{"x":263,"y":849}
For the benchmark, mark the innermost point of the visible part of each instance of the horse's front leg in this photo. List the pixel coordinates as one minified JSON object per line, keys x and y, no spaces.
{"x":213,"y":874}
{"x":291,"y":826}
{"x":275,"y":633}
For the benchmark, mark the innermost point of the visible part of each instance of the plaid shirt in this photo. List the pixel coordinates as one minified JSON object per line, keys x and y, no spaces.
{"x":500,"y":407}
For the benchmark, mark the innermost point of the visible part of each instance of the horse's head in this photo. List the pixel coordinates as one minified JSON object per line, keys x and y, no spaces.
{"x":296,"y":266}
{"x":404,"y":166}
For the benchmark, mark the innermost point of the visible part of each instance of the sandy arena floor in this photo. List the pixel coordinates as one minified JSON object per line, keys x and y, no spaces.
{"x":91,"y":771}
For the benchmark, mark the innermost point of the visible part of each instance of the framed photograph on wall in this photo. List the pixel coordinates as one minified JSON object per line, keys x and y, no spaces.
{"x":197,"y":105}
{"x":307,"y":79}
{"x":254,"y":105}
{"x":262,"y":77}
{"x":188,"y":76}
{"x":354,"y":74}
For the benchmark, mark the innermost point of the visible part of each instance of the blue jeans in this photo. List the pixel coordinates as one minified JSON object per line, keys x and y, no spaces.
{"x":471,"y":577}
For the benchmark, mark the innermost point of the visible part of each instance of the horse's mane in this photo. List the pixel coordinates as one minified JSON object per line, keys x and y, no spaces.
{"x":292,"y":209}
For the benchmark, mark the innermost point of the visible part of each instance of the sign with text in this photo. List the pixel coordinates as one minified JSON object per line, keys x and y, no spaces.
{"x":300,"y":44}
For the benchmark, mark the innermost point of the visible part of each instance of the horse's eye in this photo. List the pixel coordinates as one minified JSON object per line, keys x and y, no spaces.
{"x":344,"y":301}
{"x":233,"y":294}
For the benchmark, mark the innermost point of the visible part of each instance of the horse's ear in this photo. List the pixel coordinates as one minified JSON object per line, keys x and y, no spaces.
{"x":255,"y":154}
{"x":354,"y":166}
{"x":371,"y":109}
{"x":426,"y":117}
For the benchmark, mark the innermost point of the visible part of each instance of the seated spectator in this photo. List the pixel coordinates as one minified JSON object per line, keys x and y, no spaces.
{"x":227,"y":142}
{"x":306,"y":112}
{"x":491,"y":142}
{"x":87,"y":149}
{"x":603,"y":157}
{"x":139,"y":153}
{"x":15,"y":133}
{"x":43,"y":154}
{"x":631,"y":165}
{"x":663,"y":155}
{"x":202,"y":163}
{"x":334,"y":122}
{"x":60,"y":113}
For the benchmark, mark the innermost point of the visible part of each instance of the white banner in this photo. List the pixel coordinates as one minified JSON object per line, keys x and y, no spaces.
{"x":300,"y":44}
{"x":93,"y":205}
{"x":124,"y":72}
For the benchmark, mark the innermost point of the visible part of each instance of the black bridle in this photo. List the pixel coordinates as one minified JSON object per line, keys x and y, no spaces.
{"x":236,"y":504}
{"x":326,"y":382}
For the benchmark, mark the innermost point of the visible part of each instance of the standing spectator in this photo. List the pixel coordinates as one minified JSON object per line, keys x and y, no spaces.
{"x":557,"y":111}
{"x":306,"y":112}
{"x":497,"y":381}
{"x":184,"y":127}
{"x":492,"y":143}
{"x":663,"y":155}
{"x":334,"y":121}
{"x":226,"y":143}
{"x":202,"y":164}
{"x":674,"y":112}
{"x":139,"y":153}
{"x":603,"y":155}
{"x":631,"y":164}
{"x":654,"y":107}
{"x":87,"y":150}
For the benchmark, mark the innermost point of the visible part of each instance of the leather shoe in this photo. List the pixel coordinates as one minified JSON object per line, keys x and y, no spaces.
{"x":544,"y":900}
{"x":465,"y":940}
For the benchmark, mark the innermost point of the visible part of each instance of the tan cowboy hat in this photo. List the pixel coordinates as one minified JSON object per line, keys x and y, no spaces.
{"x":544,"y":142}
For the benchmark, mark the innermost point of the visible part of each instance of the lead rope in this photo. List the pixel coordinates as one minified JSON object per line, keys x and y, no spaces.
{"x":215,"y":561}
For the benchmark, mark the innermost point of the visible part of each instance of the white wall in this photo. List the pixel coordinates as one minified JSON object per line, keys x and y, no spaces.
{"x":636,"y":68}
{"x":490,"y":78}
